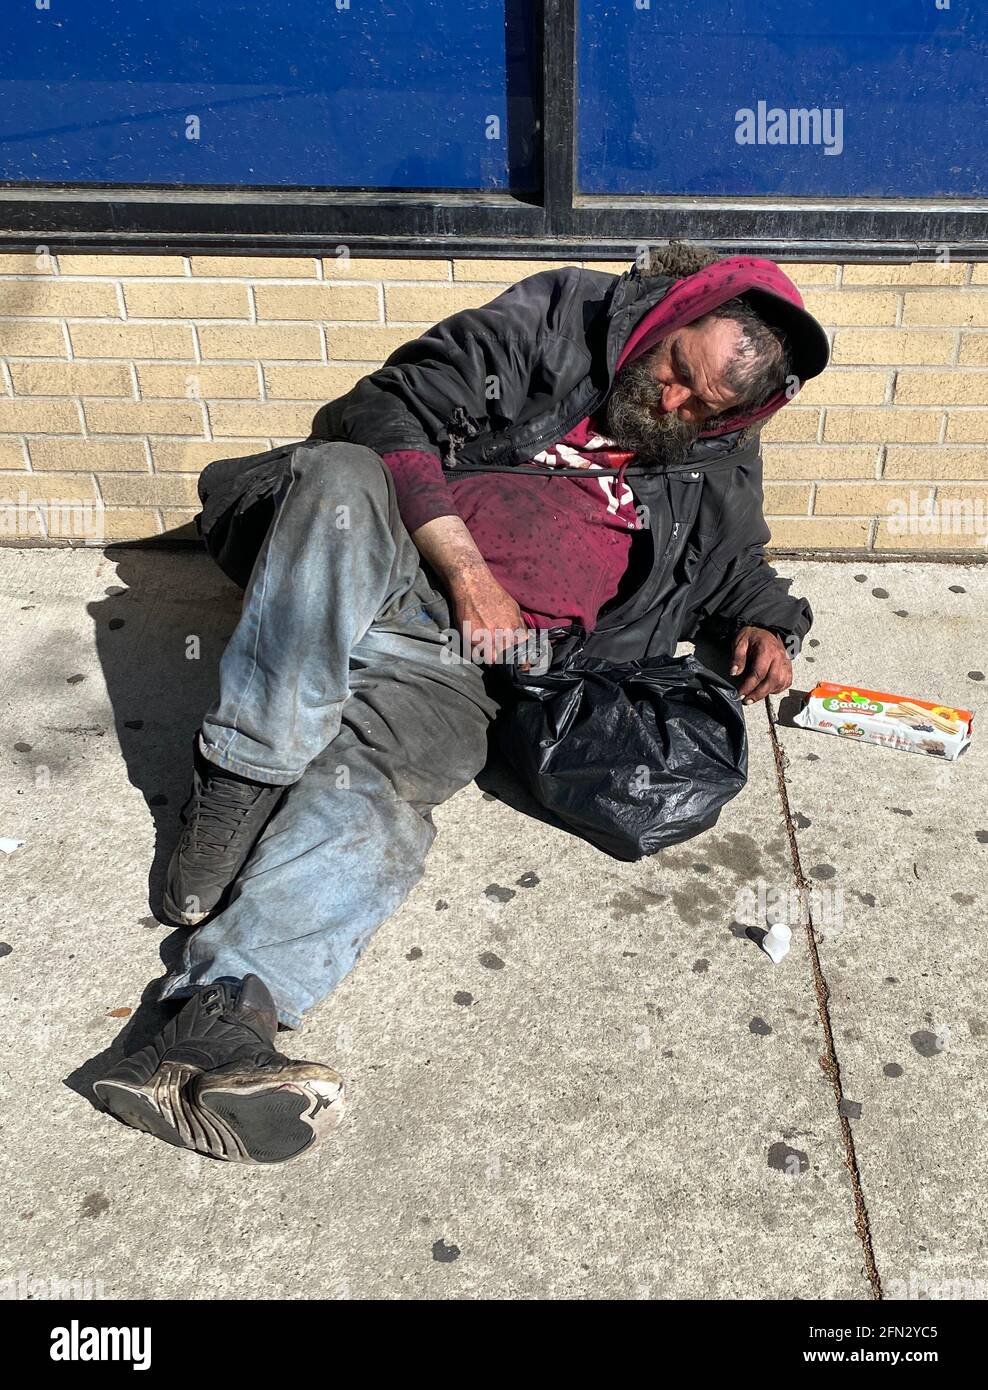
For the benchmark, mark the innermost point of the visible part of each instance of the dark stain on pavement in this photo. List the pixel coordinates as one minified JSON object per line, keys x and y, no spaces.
{"x":759,"y":1027}
{"x":965,"y":899}
{"x":414,"y":954}
{"x":892,"y":1069}
{"x":96,"y":1204}
{"x":742,"y":854}
{"x":462,"y":997}
{"x":851,"y":1109}
{"x":927,"y":1044}
{"x":528,"y":880}
{"x":490,"y":961}
{"x":700,"y":967}
{"x":879,"y":593}
{"x":5,"y":949}
{"x":784,"y":1159}
{"x":867,"y":898}
{"x":823,"y":871}
{"x":634,"y":902}
{"x":698,"y":904}
{"x":444,"y":1253}
{"x":497,"y":894}
{"x":802,"y":822}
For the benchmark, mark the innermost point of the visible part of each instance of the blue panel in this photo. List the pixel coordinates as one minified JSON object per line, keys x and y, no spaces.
{"x":317,"y":93}
{"x":660,"y":89}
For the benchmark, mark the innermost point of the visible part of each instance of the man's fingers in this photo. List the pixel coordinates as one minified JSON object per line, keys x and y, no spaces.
{"x":777,"y":677}
{"x":759,"y":668}
{"x":740,"y":654}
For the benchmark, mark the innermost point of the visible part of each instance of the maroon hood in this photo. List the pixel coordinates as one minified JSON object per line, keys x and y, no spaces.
{"x":770,"y":292}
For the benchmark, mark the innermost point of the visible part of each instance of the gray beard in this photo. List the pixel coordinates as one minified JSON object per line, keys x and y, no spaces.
{"x":658,"y":441}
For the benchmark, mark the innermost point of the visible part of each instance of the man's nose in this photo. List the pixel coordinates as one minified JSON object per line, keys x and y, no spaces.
{"x":675,"y":395}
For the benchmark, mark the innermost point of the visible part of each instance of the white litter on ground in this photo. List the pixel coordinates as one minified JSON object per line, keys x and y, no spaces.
{"x":8,"y":846}
{"x":776,"y":942}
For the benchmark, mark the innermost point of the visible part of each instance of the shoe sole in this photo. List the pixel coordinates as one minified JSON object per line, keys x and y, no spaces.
{"x":232,"y":1118}
{"x":156,"y":1108}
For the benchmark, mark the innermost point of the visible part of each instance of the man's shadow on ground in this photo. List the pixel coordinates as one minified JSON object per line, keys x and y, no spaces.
{"x":160,"y":630}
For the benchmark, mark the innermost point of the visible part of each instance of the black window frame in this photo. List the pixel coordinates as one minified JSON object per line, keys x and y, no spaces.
{"x":555,"y":223}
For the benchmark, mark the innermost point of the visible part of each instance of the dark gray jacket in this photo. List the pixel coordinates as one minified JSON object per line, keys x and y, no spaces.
{"x":551,"y":343}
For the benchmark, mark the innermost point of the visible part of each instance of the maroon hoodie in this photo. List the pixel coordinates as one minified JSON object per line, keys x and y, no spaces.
{"x":559,"y":545}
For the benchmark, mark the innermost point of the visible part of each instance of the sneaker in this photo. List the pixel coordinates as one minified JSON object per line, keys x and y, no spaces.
{"x":221,"y":822}
{"x":213,"y":1082}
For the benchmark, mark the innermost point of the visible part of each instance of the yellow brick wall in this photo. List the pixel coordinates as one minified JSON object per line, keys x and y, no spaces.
{"x":122,"y":376}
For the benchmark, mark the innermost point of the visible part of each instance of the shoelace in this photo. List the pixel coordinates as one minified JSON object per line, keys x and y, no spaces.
{"x":218,"y":813}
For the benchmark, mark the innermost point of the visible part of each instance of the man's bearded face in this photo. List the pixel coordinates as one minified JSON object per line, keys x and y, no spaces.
{"x":661,"y":401}
{"x":637,"y":420}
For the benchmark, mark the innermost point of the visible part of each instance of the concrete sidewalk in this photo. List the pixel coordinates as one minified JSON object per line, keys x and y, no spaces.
{"x":571,"y":1077}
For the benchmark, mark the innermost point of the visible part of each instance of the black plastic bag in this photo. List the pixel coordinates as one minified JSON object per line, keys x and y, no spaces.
{"x":632,"y":757}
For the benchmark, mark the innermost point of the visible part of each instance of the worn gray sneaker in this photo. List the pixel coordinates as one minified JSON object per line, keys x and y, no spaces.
{"x":221,"y":822}
{"x":212,"y":1081}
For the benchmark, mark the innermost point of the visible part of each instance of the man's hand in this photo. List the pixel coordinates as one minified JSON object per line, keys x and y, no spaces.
{"x":483,"y":611}
{"x":486,"y":614}
{"x":761,"y":660}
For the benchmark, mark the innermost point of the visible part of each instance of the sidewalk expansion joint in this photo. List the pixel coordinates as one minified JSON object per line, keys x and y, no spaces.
{"x":828,"y":1061}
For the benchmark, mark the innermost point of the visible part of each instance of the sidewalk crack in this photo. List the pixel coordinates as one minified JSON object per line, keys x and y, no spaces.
{"x":828,"y":1062}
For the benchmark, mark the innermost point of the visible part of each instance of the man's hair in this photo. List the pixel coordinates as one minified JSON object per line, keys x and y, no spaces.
{"x":762,"y":362}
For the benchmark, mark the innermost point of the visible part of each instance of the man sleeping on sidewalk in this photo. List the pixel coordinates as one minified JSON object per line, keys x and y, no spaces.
{"x":583,"y":449}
